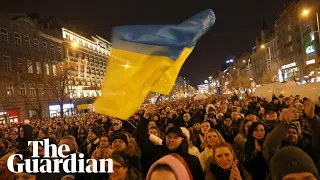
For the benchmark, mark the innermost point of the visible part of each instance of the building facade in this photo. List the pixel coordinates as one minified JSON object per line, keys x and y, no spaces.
{"x":90,"y":56}
{"x":28,"y":55}
{"x":30,"y":48}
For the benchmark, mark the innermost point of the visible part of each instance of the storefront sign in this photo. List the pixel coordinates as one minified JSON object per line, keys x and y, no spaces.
{"x":289,"y":65}
{"x":310,"y":49}
{"x":312,"y":61}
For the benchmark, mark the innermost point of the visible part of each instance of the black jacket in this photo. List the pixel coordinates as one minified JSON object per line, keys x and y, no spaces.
{"x":151,"y":152}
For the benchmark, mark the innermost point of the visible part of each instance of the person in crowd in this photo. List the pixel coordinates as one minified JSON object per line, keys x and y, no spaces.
{"x":193,"y":150}
{"x":5,"y":174}
{"x":195,"y":130}
{"x":24,"y":135}
{"x":199,"y":142}
{"x":122,"y":168}
{"x":212,"y":138}
{"x":236,"y":119}
{"x":252,"y":155}
{"x":120,"y":143}
{"x":241,"y":138}
{"x":170,"y":167}
{"x":187,"y":120}
{"x":104,"y":143}
{"x":285,"y":134}
{"x":271,"y":117}
{"x":115,"y":128}
{"x":174,"y":142}
{"x":43,"y":133}
{"x":224,"y":164}
{"x":91,"y":143}
{"x":291,"y":163}
{"x":228,"y":131}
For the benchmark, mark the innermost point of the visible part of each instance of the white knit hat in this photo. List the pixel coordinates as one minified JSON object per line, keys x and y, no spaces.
{"x":186,"y":132}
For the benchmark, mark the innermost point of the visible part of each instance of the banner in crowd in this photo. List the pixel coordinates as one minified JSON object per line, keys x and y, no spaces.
{"x":309,"y":90}
{"x":147,"y":58}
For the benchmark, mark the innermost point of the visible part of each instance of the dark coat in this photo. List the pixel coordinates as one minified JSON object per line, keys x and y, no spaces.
{"x":217,"y":173}
{"x":151,"y":152}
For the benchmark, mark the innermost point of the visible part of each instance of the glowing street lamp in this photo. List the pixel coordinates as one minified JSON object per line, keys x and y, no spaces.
{"x":244,"y":61}
{"x":263,"y":46}
{"x":74,"y":45}
{"x":305,"y":12}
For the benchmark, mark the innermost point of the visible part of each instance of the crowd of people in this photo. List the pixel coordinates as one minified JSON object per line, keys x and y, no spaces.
{"x":221,"y":137}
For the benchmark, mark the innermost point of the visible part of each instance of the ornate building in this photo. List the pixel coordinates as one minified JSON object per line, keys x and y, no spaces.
{"x":30,"y":48}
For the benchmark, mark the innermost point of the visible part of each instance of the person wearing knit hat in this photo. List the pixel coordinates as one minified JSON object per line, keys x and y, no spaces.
{"x":117,"y":123}
{"x":193,"y":150}
{"x":292,"y":163}
{"x":171,"y":166}
{"x":119,"y":142}
{"x":91,"y":143}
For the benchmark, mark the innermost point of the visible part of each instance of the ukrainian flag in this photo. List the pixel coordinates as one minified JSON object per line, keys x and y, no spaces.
{"x":147,"y":58}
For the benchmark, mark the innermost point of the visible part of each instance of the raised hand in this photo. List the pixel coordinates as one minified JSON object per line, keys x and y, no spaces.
{"x":235,"y":172}
{"x":309,"y":108}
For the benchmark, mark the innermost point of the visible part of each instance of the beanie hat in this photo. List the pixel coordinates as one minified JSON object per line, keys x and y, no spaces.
{"x":94,"y":130}
{"x":269,"y":108}
{"x":117,"y":121}
{"x":121,"y":136}
{"x":289,"y":160}
{"x":176,"y":163}
{"x":219,"y":114}
{"x":176,"y":130}
{"x":186,"y":132}
{"x":196,"y":120}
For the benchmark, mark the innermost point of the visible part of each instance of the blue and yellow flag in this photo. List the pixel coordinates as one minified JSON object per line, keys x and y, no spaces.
{"x":147,"y":58}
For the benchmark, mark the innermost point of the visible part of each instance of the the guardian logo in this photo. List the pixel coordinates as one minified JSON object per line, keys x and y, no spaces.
{"x":51,"y":162}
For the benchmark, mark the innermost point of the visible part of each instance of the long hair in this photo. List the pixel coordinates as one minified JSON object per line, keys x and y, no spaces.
{"x":242,"y":129}
{"x":221,"y":139}
{"x":249,"y":146}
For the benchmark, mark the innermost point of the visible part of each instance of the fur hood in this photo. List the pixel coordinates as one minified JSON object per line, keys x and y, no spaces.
{"x":212,"y":106}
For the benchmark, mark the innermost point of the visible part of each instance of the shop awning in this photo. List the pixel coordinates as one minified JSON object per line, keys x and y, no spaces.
{"x":83,"y":106}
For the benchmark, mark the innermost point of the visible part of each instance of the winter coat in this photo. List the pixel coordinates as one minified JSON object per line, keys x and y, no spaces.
{"x":274,"y":141}
{"x":255,"y":164}
{"x":204,"y":156}
{"x":239,"y":142}
{"x":151,"y":152}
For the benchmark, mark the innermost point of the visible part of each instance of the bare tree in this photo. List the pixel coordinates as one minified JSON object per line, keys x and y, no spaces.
{"x":241,"y":83}
{"x":62,"y":82}
{"x":269,"y":77}
{"x":35,"y":81}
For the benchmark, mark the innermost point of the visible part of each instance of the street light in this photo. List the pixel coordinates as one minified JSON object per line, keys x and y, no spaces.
{"x":244,"y":61}
{"x":263,"y":46}
{"x":306,"y":13}
{"x":74,"y":44}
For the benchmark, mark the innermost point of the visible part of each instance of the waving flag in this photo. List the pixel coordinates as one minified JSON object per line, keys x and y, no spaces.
{"x":147,"y":58}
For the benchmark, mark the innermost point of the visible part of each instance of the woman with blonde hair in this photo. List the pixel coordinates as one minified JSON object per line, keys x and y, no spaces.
{"x":223,"y":164}
{"x":212,"y":138}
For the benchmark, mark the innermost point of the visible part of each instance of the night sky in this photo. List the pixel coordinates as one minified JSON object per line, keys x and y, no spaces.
{"x":237,"y":25}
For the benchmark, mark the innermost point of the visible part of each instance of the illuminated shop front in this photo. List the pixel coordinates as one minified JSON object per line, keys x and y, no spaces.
{"x":55,"y":110}
{"x":290,"y":72}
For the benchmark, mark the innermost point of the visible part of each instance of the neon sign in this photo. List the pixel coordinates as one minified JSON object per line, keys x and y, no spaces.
{"x":309,"y":49}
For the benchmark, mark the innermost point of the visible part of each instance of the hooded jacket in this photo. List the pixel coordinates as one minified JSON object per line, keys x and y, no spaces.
{"x":151,"y":152}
